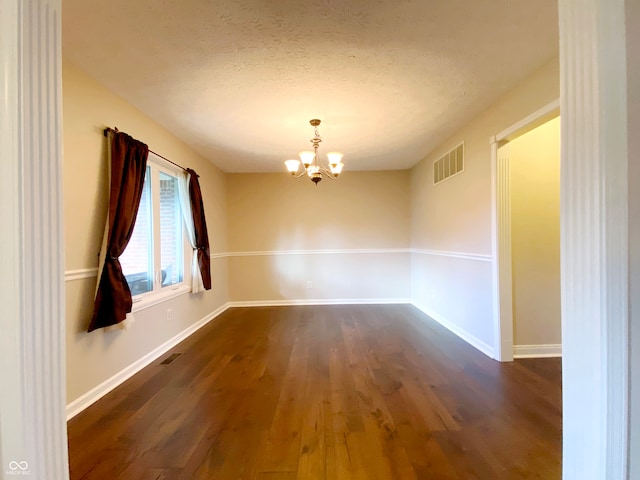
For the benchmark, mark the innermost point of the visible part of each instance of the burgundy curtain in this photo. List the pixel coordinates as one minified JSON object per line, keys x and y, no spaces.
{"x":200,"y":229}
{"x":128,"y":167}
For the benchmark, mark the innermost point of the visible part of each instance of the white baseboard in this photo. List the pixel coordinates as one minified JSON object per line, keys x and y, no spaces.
{"x":320,"y":301}
{"x":93,"y":395}
{"x":460,"y":332}
{"x":537,"y":351}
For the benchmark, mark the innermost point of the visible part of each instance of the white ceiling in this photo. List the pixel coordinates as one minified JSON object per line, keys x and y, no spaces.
{"x":240,"y":80}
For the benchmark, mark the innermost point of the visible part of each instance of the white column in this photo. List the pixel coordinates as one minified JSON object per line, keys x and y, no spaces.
{"x":501,"y":250}
{"x":632,"y":16}
{"x":33,"y":437}
{"x":594,"y":243}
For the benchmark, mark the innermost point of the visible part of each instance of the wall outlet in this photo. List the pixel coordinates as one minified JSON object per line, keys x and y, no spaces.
{"x":309,"y":284}
{"x":169,"y":314}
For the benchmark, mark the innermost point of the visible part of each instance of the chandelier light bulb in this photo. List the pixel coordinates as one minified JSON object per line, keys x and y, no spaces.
{"x":307,"y":157}
{"x":336,"y":169}
{"x":334,"y":158}
{"x":292,"y":166}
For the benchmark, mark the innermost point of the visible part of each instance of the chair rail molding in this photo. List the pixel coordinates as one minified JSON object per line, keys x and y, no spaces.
{"x":33,"y":432}
{"x":479,"y":257}
{"x":336,"y":251}
{"x":80,"y":273}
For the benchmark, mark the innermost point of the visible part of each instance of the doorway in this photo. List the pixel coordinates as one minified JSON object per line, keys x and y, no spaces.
{"x":503,"y":301}
{"x":533,"y":160}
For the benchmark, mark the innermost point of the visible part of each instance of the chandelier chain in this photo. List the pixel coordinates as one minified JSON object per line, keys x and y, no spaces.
{"x":315,"y":141}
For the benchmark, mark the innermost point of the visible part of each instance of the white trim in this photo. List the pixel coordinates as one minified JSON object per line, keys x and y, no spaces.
{"x":141,"y":302}
{"x":496,"y":293}
{"x":502,"y":280}
{"x":79,"y":274}
{"x":32,"y":351}
{"x":96,"y":393}
{"x":502,"y":288}
{"x":167,"y":293}
{"x":528,"y":123}
{"x":164,"y":164}
{"x":594,"y":238}
{"x":320,"y":301}
{"x":357,"y":251}
{"x":455,"y":329}
{"x":479,"y":257}
{"x":537,"y":351}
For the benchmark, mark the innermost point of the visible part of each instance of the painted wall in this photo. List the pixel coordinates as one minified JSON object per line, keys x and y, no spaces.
{"x":534,"y":164}
{"x":451,"y":221}
{"x":349,"y":238}
{"x":93,"y":358}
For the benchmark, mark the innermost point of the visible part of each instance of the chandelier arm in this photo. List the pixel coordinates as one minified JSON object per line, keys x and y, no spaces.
{"x":327,"y":173}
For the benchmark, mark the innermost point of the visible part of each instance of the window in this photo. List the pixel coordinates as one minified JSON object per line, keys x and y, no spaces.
{"x":154,"y":261}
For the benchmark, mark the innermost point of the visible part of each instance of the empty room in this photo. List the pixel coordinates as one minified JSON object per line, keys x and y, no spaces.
{"x":320,"y":357}
{"x":320,"y":240}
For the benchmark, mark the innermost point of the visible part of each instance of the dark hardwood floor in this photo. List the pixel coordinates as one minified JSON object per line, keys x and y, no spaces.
{"x":335,"y":392}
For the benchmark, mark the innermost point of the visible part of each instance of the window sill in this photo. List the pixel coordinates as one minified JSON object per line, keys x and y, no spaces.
{"x":148,"y":300}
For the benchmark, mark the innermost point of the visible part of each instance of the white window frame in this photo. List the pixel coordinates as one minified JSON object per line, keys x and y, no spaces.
{"x":161,"y":294}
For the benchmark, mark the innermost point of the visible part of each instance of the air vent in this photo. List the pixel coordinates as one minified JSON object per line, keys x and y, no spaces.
{"x":450,"y":164}
{"x":170,"y":359}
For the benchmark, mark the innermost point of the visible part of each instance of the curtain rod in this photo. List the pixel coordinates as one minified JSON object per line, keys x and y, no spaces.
{"x":108,"y":129}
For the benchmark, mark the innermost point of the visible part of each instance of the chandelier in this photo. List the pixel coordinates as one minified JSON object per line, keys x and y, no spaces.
{"x":311,"y":162}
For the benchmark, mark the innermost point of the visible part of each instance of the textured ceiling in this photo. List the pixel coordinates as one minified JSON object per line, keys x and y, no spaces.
{"x":240,"y":80}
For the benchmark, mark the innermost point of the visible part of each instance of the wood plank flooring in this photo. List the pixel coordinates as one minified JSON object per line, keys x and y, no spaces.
{"x":325,"y":392}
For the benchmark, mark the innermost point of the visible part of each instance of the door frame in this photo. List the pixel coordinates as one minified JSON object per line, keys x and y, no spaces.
{"x":33,"y":433}
{"x":502,"y":289}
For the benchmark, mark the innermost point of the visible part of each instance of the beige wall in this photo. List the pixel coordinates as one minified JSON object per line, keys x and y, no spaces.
{"x":455,"y":216}
{"x":272,"y":216}
{"x":534,"y":163}
{"x":95,"y":357}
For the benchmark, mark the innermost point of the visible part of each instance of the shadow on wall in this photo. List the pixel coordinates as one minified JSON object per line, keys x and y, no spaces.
{"x":81,"y":312}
